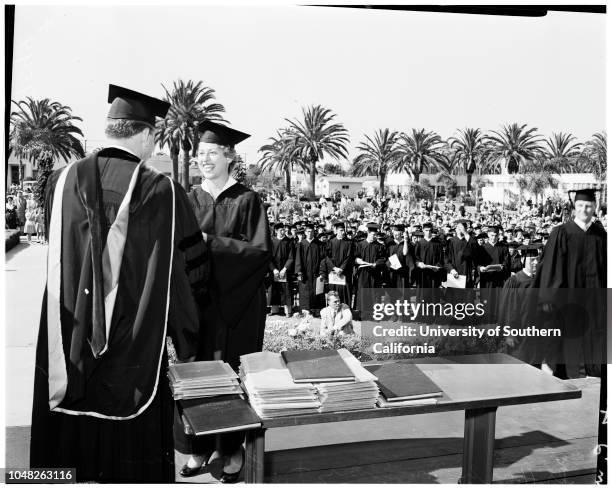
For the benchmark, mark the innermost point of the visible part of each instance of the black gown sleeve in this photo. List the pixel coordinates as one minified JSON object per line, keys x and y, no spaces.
{"x":190,"y":274}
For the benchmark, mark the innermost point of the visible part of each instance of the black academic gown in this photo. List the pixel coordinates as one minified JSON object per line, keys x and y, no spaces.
{"x":399,"y":280}
{"x":234,"y":314}
{"x":308,"y":258}
{"x":133,"y":370}
{"x":369,"y":278}
{"x":490,"y":282}
{"x":459,"y":256}
{"x":572,"y":277}
{"x":430,"y":253}
{"x":283,"y":256}
{"x":340,"y":253}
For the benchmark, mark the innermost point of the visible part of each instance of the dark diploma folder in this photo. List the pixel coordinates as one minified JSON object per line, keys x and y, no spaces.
{"x":218,"y":415}
{"x":403,"y":381}
{"x":317,"y":366}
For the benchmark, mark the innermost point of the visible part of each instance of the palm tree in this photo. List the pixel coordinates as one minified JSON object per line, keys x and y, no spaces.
{"x":43,"y":131}
{"x":443,"y":179}
{"x":377,"y":156}
{"x":596,"y":156}
{"x":190,"y":105}
{"x":421,"y":150}
{"x":470,"y":150}
{"x":278,"y":154}
{"x":514,"y":145}
{"x":562,"y":152}
{"x":317,"y":136}
{"x":538,"y":182}
{"x":479,"y":182}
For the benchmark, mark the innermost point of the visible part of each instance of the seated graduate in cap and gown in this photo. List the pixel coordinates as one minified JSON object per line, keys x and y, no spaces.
{"x":126,"y":267}
{"x":235,"y":227}
{"x":572,"y":284}
{"x":340,"y":255}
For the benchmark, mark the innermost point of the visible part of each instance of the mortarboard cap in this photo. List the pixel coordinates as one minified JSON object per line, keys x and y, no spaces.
{"x":531,"y":249}
{"x":399,"y":226}
{"x":372,"y":226}
{"x":428,"y":225}
{"x":481,"y":236}
{"x":308,"y":225}
{"x":583,"y":194}
{"x":212,"y":132}
{"x":513,"y":244}
{"x":279,"y":225}
{"x":134,"y":106}
{"x":465,"y":222}
{"x":339,"y":224}
{"x":418,"y":233}
{"x":492,"y":228}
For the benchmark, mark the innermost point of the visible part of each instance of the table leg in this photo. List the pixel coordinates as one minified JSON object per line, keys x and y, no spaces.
{"x":254,"y":463}
{"x":478,"y":446}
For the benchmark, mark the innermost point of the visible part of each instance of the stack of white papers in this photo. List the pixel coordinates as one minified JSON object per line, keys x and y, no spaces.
{"x":347,"y":396}
{"x":271,"y":389}
{"x":202,"y":379}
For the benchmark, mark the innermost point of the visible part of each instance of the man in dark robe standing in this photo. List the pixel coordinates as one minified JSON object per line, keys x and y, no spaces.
{"x":494,"y":269}
{"x":572,"y":285}
{"x":370,"y":259}
{"x":429,"y":257}
{"x":281,"y":268}
{"x":340,"y":256}
{"x":309,"y":253}
{"x":126,"y":266}
{"x":399,"y":271}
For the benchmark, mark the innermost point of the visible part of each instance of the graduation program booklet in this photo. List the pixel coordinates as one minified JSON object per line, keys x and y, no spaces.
{"x":336,"y":279}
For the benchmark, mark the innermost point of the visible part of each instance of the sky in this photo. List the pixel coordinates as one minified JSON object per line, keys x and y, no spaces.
{"x":374,"y":69}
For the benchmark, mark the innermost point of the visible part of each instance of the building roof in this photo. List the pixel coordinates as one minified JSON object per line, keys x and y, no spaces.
{"x":341,"y":179}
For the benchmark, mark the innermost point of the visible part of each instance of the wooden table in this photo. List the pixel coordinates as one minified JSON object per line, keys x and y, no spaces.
{"x":476,"y":384}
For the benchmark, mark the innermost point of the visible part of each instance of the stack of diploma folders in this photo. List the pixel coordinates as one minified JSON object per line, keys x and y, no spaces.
{"x":202,"y":379}
{"x":300,"y":382}
{"x":270,"y":388}
{"x":404,"y":384}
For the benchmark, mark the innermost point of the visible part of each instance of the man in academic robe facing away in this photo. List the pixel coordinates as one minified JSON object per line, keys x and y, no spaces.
{"x":572,"y":283}
{"x":126,"y":265}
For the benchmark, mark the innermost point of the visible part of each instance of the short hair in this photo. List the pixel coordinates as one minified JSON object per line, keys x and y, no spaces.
{"x":124,"y":128}
{"x":330,"y":294}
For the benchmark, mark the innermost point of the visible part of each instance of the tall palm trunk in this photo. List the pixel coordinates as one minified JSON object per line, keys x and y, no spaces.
{"x":185,"y":170}
{"x":417,"y":175}
{"x":313,"y":171}
{"x":174,"y":156}
{"x":288,"y":179}
{"x":469,"y":180}
{"x":382,"y":183}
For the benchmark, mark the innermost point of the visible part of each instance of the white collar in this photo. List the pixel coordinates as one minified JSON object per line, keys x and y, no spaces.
{"x":122,"y":148}
{"x":206,"y":187}
{"x":582,"y":225}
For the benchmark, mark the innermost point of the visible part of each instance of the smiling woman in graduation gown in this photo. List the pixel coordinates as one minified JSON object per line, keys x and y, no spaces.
{"x":236,"y":230}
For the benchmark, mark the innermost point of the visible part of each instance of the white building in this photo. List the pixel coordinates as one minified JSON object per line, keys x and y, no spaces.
{"x":349,"y":186}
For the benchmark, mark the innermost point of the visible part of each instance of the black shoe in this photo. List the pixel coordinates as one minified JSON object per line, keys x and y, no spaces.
{"x":187,"y":471}
{"x":233,"y":477}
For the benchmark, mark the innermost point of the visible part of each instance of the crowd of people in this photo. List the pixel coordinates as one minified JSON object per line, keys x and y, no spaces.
{"x":22,"y":212}
{"x":391,"y":245}
{"x":134,"y":259}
